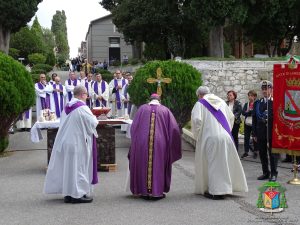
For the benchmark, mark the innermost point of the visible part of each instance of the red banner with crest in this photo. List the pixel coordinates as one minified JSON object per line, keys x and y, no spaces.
{"x":286,"y":108}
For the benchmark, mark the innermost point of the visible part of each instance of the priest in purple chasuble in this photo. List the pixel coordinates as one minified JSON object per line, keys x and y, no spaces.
{"x":72,"y":168}
{"x":115,"y":91}
{"x":100,"y":92}
{"x":155,"y":145}
{"x":42,"y":91}
{"x":57,"y":97}
{"x":70,"y":84}
{"x":218,"y":169}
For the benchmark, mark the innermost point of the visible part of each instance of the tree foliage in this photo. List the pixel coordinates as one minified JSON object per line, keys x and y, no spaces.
{"x":157,"y":23}
{"x":14,"y":15}
{"x":16,"y":81}
{"x":179,"y":95}
{"x":59,"y":29}
{"x":269,"y":22}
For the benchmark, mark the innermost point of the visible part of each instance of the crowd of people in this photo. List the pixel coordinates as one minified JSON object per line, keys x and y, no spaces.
{"x":155,"y":137}
{"x":78,"y":64}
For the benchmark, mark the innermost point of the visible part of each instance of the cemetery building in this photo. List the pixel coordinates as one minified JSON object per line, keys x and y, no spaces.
{"x":104,"y":42}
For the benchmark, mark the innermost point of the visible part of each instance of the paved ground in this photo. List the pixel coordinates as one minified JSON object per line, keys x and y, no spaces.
{"x":23,"y":203}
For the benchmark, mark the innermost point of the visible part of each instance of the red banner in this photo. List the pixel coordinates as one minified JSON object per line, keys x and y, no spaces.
{"x":286,"y":108}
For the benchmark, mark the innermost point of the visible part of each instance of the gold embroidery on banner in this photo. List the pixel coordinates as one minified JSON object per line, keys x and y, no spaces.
{"x":150,"y":152}
{"x":280,"y":136}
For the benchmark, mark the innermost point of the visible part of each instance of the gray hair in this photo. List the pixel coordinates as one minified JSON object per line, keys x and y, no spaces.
{"x":202,"y":90}
{"x":78,"y":90}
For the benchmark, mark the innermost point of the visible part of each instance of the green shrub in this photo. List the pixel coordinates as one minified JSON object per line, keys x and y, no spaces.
{"x":43,"y":67}
{"x":15,"y":53}
{"x":115,"y":63}
{"x":16,"y":83}
{"x":133,"y":61}
{"x":36,"y":58}
{"x":36,"y":77}
{"x":50,"y":59}
{"x":179,"y":96}
{"x":106,"y":75}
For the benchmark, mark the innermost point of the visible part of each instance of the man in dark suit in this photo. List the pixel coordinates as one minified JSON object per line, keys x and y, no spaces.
{"x":262,"y":131}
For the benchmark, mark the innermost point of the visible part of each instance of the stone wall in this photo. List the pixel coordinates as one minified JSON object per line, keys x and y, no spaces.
{"x":240,"y":76}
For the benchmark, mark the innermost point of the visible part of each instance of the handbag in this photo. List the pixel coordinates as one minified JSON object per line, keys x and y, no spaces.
{"x":248,"y":121}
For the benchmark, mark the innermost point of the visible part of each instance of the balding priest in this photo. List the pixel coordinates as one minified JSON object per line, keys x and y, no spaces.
{"x":155,"y":145}
{"x":72,"y":168}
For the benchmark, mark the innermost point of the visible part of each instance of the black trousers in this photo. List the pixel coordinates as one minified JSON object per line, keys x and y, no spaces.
{"x":264,"y":152}
{"x":247,"y":140}
{"x":235,"y":134}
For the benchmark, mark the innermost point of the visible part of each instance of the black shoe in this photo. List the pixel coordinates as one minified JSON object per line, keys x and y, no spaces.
{"x":263,"y":177}
{"x":214,"y":197}
{"x":67,"y":199}
{"x":254,"y":155}
{"x":82,"y":200}
{"x":244,"y":155}
{"x":153,"y":198}
{"x":273,"y":178}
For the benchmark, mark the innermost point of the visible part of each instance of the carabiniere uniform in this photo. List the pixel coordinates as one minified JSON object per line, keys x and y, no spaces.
{"x":262,"y":129}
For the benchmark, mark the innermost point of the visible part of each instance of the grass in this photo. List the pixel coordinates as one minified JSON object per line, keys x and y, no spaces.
{"x":5,"y":154}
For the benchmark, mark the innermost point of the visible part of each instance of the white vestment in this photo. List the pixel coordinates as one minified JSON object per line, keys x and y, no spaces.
{"x":70,"y":170}
{"x":52,"y":99}
{"x":103,"y":93}
{"x":218,"y":168}
{"x":70,"y":88}
{"x":25,"y":122}
{"x":114,"y":110}
{"x":41,"y":93}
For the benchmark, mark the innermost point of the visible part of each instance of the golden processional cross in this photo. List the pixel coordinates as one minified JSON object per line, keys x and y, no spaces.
{"x":159,"y":80}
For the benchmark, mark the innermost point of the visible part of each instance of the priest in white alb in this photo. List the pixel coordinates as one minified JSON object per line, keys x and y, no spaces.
{"x":72,"y":168}
{"x":57,"y":97}
{"x":70,"y":84}
{"x":100,"y":92}
{"x":115,"y":91}
{"x":218,"y":169}
{"x":42,"y":91}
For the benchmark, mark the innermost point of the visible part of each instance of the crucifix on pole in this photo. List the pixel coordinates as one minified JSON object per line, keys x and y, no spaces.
{"x":159,"y":80}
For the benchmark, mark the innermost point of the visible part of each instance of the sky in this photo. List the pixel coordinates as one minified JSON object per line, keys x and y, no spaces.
{"x":79,"y":15}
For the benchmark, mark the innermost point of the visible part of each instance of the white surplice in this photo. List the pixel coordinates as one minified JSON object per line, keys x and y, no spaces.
{"x":103,"y":93}
{"x":41,"y":93}
{"x":218,"y":168}
{"x":70,"y":88}
{"x":25,"y":122}
{"x":114,"y":110}
{"x":52,"y":99}
{"x":70,"y":168}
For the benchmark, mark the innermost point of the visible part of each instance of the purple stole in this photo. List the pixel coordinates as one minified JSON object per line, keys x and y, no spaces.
{"x":26,"y":115}
{"x":127,"y":104}
{"x":118,"y":92}
{"x":58,"y":108}
{"x":45,"y":102}
{"x":68,"y":110}
{"x":218,"y":115}
{"x":97,"y":91}
{"x":74,"y":84}
{"x":88,"y":101}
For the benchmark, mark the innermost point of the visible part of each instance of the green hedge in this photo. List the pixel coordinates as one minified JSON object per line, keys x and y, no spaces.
{"x":42,"y":67}
{"x":16,"y":83}
{"x":179,"y":96}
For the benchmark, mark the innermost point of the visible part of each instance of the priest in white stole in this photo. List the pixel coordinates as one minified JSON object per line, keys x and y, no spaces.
{"x":218,"y":169}
{"x":72,"y":169}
